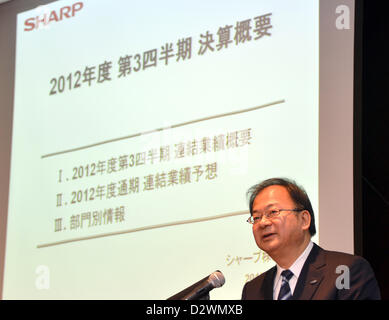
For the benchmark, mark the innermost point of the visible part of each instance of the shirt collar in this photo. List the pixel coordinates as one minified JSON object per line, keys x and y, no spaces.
{"x":297,"y":266}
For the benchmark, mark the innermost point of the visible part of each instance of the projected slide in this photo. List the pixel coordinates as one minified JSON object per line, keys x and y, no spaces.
{"x":138,"y":128}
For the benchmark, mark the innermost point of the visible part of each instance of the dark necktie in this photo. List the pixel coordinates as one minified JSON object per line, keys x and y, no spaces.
{"x":285,"y":292}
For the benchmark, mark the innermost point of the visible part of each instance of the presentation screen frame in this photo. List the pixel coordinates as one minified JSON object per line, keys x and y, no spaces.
{"x":340,"y":183}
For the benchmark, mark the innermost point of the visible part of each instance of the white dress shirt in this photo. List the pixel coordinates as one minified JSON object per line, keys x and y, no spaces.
{"x":295,"y":268}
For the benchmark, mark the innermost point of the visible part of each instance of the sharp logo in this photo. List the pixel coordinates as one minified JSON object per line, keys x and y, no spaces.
{"x":46,"y":18}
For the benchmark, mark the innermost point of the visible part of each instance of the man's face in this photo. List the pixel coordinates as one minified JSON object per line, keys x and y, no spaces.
{"x":282,"y":233}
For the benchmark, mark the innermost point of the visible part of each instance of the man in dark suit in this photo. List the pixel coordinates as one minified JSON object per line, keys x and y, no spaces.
{"x":283,"y":224}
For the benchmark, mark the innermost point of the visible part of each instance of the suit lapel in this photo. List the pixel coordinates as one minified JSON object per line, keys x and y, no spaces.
{"x":268,"y":284}
{"x":311,"y":275}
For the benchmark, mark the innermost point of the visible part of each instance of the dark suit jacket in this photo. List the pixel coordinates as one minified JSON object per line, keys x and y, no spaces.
{"x":317,"y":280}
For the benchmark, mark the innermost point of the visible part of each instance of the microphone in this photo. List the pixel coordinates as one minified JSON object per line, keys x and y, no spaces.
{"x":200,"y":290}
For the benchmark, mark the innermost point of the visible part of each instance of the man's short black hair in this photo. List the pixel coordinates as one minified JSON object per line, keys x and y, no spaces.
{"x":296,"y":192}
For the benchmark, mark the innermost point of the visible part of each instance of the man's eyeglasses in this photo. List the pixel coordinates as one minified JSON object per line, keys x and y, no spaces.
{"x":269,"y":214}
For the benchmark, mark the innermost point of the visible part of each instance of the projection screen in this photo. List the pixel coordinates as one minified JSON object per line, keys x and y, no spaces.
{"x":138,"y":127}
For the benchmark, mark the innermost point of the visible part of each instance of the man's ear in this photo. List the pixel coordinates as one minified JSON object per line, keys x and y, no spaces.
{"x":306,"y":219}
